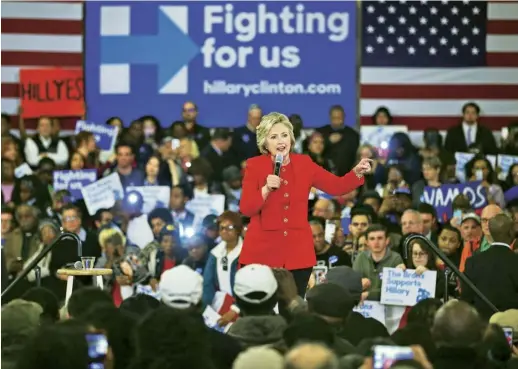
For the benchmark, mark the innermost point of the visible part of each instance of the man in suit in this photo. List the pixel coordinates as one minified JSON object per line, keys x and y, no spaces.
{"x":470,"y":134}
{"x":341,"y":141}
{"x":494,"y":272}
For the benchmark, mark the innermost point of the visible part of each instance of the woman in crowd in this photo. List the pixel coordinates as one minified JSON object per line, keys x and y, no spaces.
{"x":423,"y":260}
{"x":76,"y":162}
{"x":432,"y":178}
{"x":222,"y":264}
{"x":316,"y":148}
{"x":279,"y":233}
{"x":115,"y":252}
{"x":10,"y":151}
{"x":480,"y":169}
{"x":152,"y":171}
{"x":382,"y":117}
{"x":152,"y":131}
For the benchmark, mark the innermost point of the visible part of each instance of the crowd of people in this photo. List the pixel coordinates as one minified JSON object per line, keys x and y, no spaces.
{"x":154,"y":310}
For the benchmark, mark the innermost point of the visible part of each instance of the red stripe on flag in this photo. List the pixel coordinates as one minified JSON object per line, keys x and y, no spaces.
{"x":439,"y":91}
{"x":41,"y":58}
{"x":502,"y":27}
{"x":67,"y":123}
{"x":42,"y":26}
{"x":440,"y":123}
{"x":502,"y":59}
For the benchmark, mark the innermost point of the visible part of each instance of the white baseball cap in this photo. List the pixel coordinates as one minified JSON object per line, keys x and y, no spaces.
{"x":255,"y":278}
{"x":181,"y":287}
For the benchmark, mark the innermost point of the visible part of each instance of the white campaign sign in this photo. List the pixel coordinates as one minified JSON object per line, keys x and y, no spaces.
{"x":372,"y":309}
{"x":103,"y":193}
{"x":405,"y":287}
{"x":153,"y":196}
{"x":201,"y":206}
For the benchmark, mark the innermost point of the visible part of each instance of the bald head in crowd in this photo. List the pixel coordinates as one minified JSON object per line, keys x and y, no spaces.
{"x":311,"y":356}
{"x":501,"y":228}
{"x":487,"y":213}
{"x":457,"y":324}
{"x":324,"y":208}
{"x":411,"y":222}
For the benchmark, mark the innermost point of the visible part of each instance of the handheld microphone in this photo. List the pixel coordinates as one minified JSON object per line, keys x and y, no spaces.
{"x":278,"y":164}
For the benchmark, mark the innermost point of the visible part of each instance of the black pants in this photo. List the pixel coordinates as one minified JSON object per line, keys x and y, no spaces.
{"x":301,"y":277}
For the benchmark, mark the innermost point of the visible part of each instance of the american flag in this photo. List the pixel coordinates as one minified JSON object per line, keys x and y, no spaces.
{"x":424,"y":59}
{"x":38,"y":35}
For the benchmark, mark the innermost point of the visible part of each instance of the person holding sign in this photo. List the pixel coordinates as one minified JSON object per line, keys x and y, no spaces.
{"x":279,"y":234}
{"x":423,"y":260}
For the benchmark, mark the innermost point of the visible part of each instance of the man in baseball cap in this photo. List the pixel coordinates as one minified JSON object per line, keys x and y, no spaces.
{"x":255,"y":291}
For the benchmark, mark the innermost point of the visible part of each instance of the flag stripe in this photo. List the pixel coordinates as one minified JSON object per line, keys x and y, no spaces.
{"x":42,"y":43}
{"x":502,"y":27}
{"x":502,"y":59}
{"x":25,"y":10}
{"x":441,"y":123}
{"x":22,"y":58}
{"x":507,"y":10}
{"x":42,"y":26}
{"x":440,"y":92}
{"x":502,"y":43}
{"x":439,"y":76}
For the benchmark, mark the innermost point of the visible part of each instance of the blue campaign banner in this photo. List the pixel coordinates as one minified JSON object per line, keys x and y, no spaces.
{"x":442,"y":197}
{"x":74,"y":180}
{"x":150,"y":57}
{"x":105,"y":135}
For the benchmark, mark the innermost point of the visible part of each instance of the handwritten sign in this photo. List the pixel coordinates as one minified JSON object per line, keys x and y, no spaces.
{"x":406,"y":287}
{"x":372,"y":309}
{"x":74,"y":180}
{"x":54,"y":92}
{"x":154,"y":196}
{"x":105,"y":136}
{"x":201,"y":206}
{"x":103,"y":193}
{"x":441,"y":198}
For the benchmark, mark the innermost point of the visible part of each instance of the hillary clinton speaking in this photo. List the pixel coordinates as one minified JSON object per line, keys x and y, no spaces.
{"x":279,"y":234}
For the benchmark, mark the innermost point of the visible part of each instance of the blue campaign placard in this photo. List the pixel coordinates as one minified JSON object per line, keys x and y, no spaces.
{"x":105,"y":136}
{"x":150,"y":57}
{"x":74,"y":180}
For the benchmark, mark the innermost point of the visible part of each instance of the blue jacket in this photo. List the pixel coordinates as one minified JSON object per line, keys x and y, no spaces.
{"x":211,"y":283}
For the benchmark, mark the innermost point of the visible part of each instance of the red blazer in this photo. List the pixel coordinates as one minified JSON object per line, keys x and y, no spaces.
{"x":279,"y":234}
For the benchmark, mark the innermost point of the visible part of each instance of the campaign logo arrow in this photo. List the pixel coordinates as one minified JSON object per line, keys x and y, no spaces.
{"x":170,"y":49}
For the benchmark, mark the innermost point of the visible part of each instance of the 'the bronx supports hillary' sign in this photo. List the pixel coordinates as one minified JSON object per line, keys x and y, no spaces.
{"x":151,"y":57}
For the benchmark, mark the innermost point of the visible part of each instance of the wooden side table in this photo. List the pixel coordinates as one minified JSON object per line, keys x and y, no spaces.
{"x":98,"y":273}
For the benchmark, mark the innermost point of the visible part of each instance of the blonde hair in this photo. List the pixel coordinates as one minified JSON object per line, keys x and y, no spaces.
{"x":267,"y":122}
{"x":194,"y":151}
{"x":108,"y":233}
